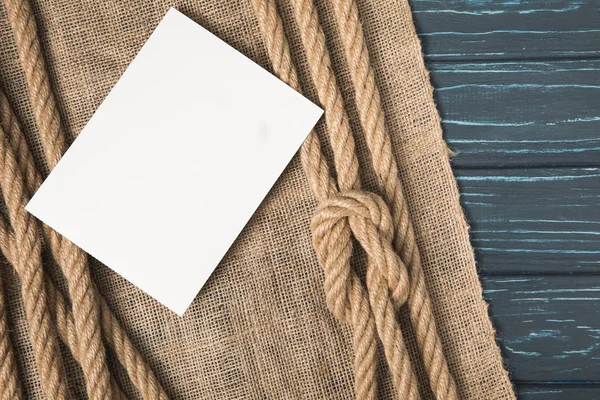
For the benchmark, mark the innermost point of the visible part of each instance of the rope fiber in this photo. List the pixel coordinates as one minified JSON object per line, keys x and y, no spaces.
{"x":381,"y":225}
{"x":81,"y":317}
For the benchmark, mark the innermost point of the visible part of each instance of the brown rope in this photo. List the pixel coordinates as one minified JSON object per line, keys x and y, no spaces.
{"x":28,"y":265}
{"x":366,"y":213}
{"x":136,"y":367}
{"x":86,"y":301}
{"x":346,"y":297}
{"x":383,"y":275}
{"x":9,"y":375}
{"x":72,"y":260}
{"x":370,"y":222}
{"x":138,"y":371}
{"x":63,"y":316}
{"x":339,"y":214}
{"x":372,"y":119}
{"x":15,"y":145}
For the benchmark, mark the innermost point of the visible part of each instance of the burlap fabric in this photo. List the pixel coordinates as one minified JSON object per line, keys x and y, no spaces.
{"x":260,"y":327}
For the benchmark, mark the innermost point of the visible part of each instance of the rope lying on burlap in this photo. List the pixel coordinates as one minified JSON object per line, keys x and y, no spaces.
{"x":28,"y":265}
{"x":16,"y":157}
{"x":381,"y":225}
{"x":9,"y":376}
{"x":384,"y":272}
{"x":370,"y":220}
{"x":346,"y":297}
{"x":85,"y":319}
{"x":378,"y":140}
{"x":71,"y":259}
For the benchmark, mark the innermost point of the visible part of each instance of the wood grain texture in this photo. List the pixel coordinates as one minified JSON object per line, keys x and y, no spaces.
{"x":549,"y":326}
{"x":536,"y":220}
{"x":520,"y":113}
{"x":518,"y":87}
{"x":559,"y":392}
{"x":508,"y":29}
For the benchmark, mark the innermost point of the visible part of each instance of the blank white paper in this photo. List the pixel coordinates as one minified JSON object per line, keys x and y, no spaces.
{"x":175,"y":161}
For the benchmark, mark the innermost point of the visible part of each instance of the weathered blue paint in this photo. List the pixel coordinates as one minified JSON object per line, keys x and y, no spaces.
{"x":548,"y":326}
{"x":452,"y":30}
{"x":520,"y":113}
{"x":517,"y":88}
{"x":533,"y":220}
{"x":496,"y":12}
{"x":511,"y":31}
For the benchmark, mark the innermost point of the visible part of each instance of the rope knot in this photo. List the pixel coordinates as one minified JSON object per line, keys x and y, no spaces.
{"x":367,"y":216}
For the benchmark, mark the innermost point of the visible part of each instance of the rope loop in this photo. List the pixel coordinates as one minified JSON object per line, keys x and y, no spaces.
{"x":370,"y":221}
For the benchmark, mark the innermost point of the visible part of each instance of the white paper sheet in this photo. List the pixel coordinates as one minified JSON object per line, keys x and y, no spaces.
{"x":174,"y":162}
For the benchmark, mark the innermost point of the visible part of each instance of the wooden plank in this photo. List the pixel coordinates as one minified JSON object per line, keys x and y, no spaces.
{"x":543,"y":220}
{"x":529,"y":29}
{"x":548,"y":327}
{"x":558,"y":392}
{"x":515,"y":113}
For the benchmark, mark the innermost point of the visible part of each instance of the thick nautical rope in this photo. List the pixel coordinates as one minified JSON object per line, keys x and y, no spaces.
{"x":346,"y":297}
{"x":370,"y":222}
{"x":388,"y":327}
{"x":14,"y":144}
{"x":63,"y":317}
{"x":71,"y":259}
{"x":85,"y":298}
{"x":378,"y":140}
{"x":9,"y":375}
{"x":137,"y":369}
{"x":327,"y":234}
{"x":28,"y":265}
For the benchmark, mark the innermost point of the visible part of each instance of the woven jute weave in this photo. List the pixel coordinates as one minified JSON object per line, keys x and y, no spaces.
{"x":261,"y":328}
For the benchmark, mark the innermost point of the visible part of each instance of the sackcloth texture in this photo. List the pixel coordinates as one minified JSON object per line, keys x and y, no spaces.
{"x":260,"y":327}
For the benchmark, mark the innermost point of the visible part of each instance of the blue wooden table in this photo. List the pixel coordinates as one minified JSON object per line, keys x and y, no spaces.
{"x":518,"y":87}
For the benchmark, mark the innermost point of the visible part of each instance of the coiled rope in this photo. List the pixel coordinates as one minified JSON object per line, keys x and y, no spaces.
{"x":85,"y":319}
{"x":371,"y":221}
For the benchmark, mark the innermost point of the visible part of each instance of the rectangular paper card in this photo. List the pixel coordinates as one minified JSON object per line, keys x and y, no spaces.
{"x":175,"y":161}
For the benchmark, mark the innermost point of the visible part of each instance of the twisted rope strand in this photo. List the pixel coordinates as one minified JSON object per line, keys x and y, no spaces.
{"x":9,"y":375}
{"x":341,"y":139}
{"x":128,"y":356}
{"x":134,"y":363}
{"x":67,"y":331}
{"x":136,"y":367}
{"x":346,"y":296}
{"x":63,"y":317}
{"x":72,"y":260}
{"x":371,"y":224}
{"x":86,"y":313}
{"x":43,"y":102}
{"x":85,"y":297}
{"x":372,"y":118}
{"x":15,"y":143}
{"x":379,"y":272}
{"x":28,"y":265}
{"x":330,"y":235}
